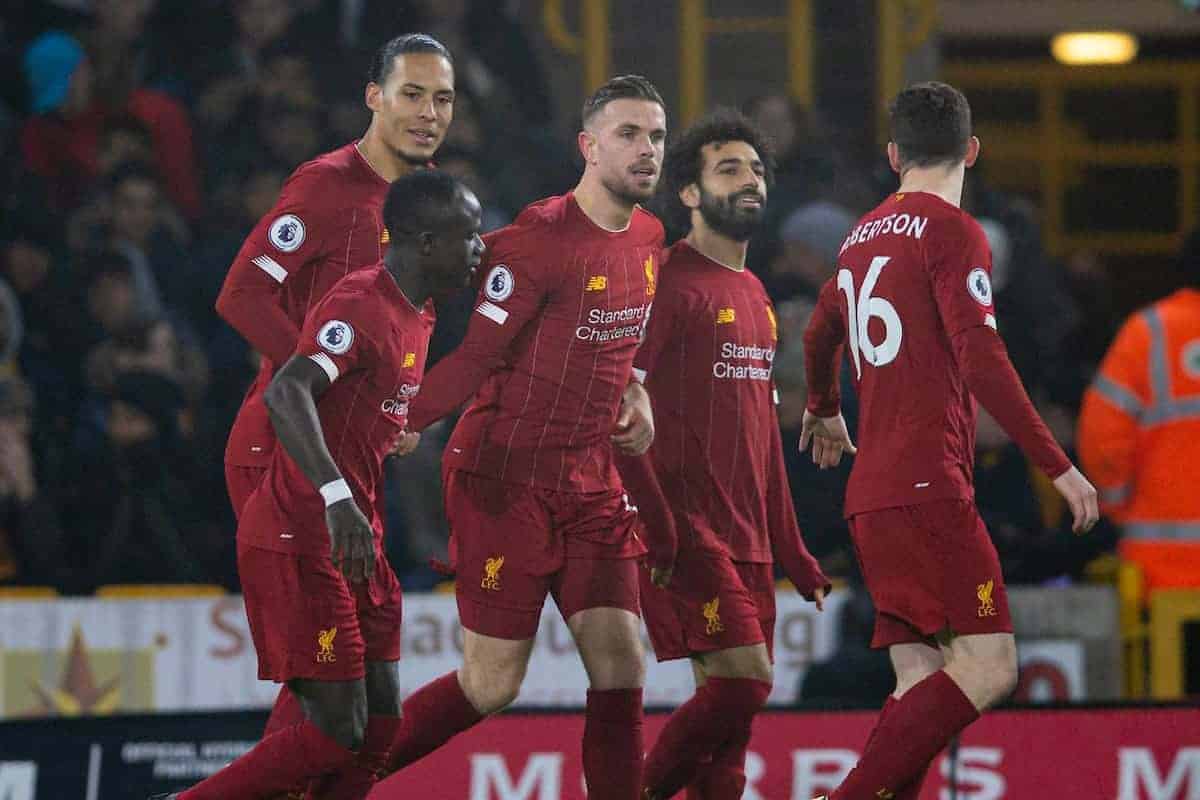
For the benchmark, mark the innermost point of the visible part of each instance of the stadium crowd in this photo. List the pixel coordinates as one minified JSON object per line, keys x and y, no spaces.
{"x":145,"y":138}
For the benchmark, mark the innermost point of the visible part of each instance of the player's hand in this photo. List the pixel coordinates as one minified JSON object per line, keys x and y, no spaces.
{"x":661,"y":576}
{"x":405,"y":444}
{"x":351,"y":539}
{"x":829,"y":439}
{"x":1081,"y":497}
{"x":819,"y":595}
{"x":635,"y":421}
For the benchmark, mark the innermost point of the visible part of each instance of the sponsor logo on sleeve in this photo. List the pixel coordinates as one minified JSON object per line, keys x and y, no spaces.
{"x":287,"y":233}
{"x":980,"y":286}
{"x":336,"y":336}
{"x":499,"y":284}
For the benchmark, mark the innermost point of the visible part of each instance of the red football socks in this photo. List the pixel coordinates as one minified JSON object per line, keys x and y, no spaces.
{"x":907,"y":738}
{"x":356,"y":780}
{"x":285,"y":759}
{"x":724,"y":777}
{"x":613,"y":745}
{"x":722,"y":710}
{"x":433,"y":715}
{"x":285,"y":713}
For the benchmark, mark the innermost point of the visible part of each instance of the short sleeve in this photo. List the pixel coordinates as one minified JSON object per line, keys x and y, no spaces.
{"x":295,"y":231}
{"x":512,"y":288}
{"x":961,"y":273}
{"x":337,"y":333}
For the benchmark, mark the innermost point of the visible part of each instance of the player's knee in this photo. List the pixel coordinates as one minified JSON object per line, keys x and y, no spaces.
{"x":623,"y":667}
{"x":492,"y":690}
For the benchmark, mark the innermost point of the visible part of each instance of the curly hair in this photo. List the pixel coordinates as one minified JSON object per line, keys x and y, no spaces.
{"x":685,"y":159}
{"x":930,"y":124}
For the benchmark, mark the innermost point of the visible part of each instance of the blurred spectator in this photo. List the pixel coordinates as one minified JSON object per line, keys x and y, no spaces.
{"x":61,"y":142}
{"x":855,"y":676}
{"x":32,"y":548}
{"x":1139,"y":433}
{"x":810,"y":240}
{"x":133,"y":497}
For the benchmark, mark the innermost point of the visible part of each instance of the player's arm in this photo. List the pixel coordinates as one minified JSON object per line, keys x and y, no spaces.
{"x":329,"y":348}
{"x":1108,"y":419}
{"x":282,"y":242}
{"x":512,"y":294}
{"x":961,"y":281}
{"x":787,"y":545}
{"x":823,"y":426}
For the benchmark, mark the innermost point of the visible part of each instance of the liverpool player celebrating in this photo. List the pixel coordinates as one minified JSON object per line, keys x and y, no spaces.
{"x":326,"y":223}
{"x":534,"y":501}
{"x":337,"y":407}
{"x":706,"y":362}
{"x":912,"y":303}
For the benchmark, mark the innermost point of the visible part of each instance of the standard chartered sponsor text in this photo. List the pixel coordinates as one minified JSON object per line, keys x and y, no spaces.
{"x":598,"y":317}
{"x":731,"y":352}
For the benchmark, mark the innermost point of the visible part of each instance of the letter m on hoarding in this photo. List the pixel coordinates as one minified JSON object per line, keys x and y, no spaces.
{"x":18,"y":779}
{"x":1140,"y":778}
{"x":490,"y":779}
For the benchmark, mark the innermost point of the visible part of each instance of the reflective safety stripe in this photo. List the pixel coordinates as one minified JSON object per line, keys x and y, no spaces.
{"x":1163,"y":530}
{"x":1118,"y":395}
{"x":1116,"y":495}
{"x":1160,"y":378}
{"x":1174,"y":411}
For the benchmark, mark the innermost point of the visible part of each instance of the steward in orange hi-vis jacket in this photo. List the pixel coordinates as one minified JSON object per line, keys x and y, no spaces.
{"x":1139,"y":433}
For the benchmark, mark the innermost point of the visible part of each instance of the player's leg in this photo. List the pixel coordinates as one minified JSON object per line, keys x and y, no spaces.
{"x":241,"y":482}
{"x":724,"y":635}
{"x":971,"y":599}
{"x":500,"y":538}
{"x":303,"y":624}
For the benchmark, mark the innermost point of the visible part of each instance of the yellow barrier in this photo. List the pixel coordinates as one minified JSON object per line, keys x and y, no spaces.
{"x":27,"y":592}
{"x":1054,"y":149}
{"x":1170,"y":609}
{"x":1134,"y":631}
{"x":158,"y":591}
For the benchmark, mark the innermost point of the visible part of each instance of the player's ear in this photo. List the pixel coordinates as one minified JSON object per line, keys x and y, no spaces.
{"x":587,"y":146}
{"x":893,"y":153}
{"x":973,"y":148}
{"x":690,"y":196}
{"x":374,"y":96}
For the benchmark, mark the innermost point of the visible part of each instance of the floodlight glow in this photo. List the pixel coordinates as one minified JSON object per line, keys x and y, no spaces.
{"x":1094,"y":47}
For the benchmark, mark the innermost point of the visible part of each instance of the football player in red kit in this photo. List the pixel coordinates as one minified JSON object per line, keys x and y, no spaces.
{"x":309,"y":558}
{"x":718,"y":458}
{"x":912,"y":305}
{"x":326,"y":223}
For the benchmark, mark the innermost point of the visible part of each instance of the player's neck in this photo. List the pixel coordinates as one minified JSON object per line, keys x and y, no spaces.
{"x":715,"y":247}
{"x":600,"y":205}
{"x":386,"y":163}
{"x":409,"y":282}
{"x":945,"y":182}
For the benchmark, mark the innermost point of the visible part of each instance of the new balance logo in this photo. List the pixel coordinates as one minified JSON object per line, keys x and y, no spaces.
{"x":725,"y":316}
{"x":597,"y":283}
{"x":410,"y":360}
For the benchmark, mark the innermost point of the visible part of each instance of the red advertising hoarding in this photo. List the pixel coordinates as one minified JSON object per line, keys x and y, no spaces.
{"x":1128,"y":754}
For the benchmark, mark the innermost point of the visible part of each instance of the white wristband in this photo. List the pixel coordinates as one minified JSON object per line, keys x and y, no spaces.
{"x":335,"y":492}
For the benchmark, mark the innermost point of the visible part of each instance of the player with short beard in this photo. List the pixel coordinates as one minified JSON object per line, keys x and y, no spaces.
{"x":532,"y":495}
{"x":714,"y":489}
{"x":327,"y":222}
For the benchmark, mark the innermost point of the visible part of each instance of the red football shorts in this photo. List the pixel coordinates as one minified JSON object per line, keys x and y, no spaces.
{"x":511,"y":545}
{"x":308,"y":622}
{"x":929,"y":568}
{"x":712,"y":603}
{"x":241,"y":482}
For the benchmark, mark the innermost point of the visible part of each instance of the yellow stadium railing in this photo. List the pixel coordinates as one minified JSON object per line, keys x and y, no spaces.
{"x":1134,"y":631}
{"x":28,"y":592}
{"x":1049,"y":153}
{"x":158,"y":591}
{"x":1170,"y":610}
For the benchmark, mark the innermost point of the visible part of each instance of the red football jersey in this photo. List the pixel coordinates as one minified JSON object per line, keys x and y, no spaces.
{"x":327,"y":221}
{"x":912,"y":274}
{"x":549,"y":349}
{"x":706,"y":362}
{"x":372,"y":342}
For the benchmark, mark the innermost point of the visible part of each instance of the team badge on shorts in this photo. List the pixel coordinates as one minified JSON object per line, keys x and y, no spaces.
{"x":335,"y":336}
{"x":325,"y":654}
{"x":980,"y":286}
{"x":712,"y":616}
{"x":287,"y":233}
{"x":491,"y":574}
{"x":987,"y":607}
{"x":499,"y":284}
